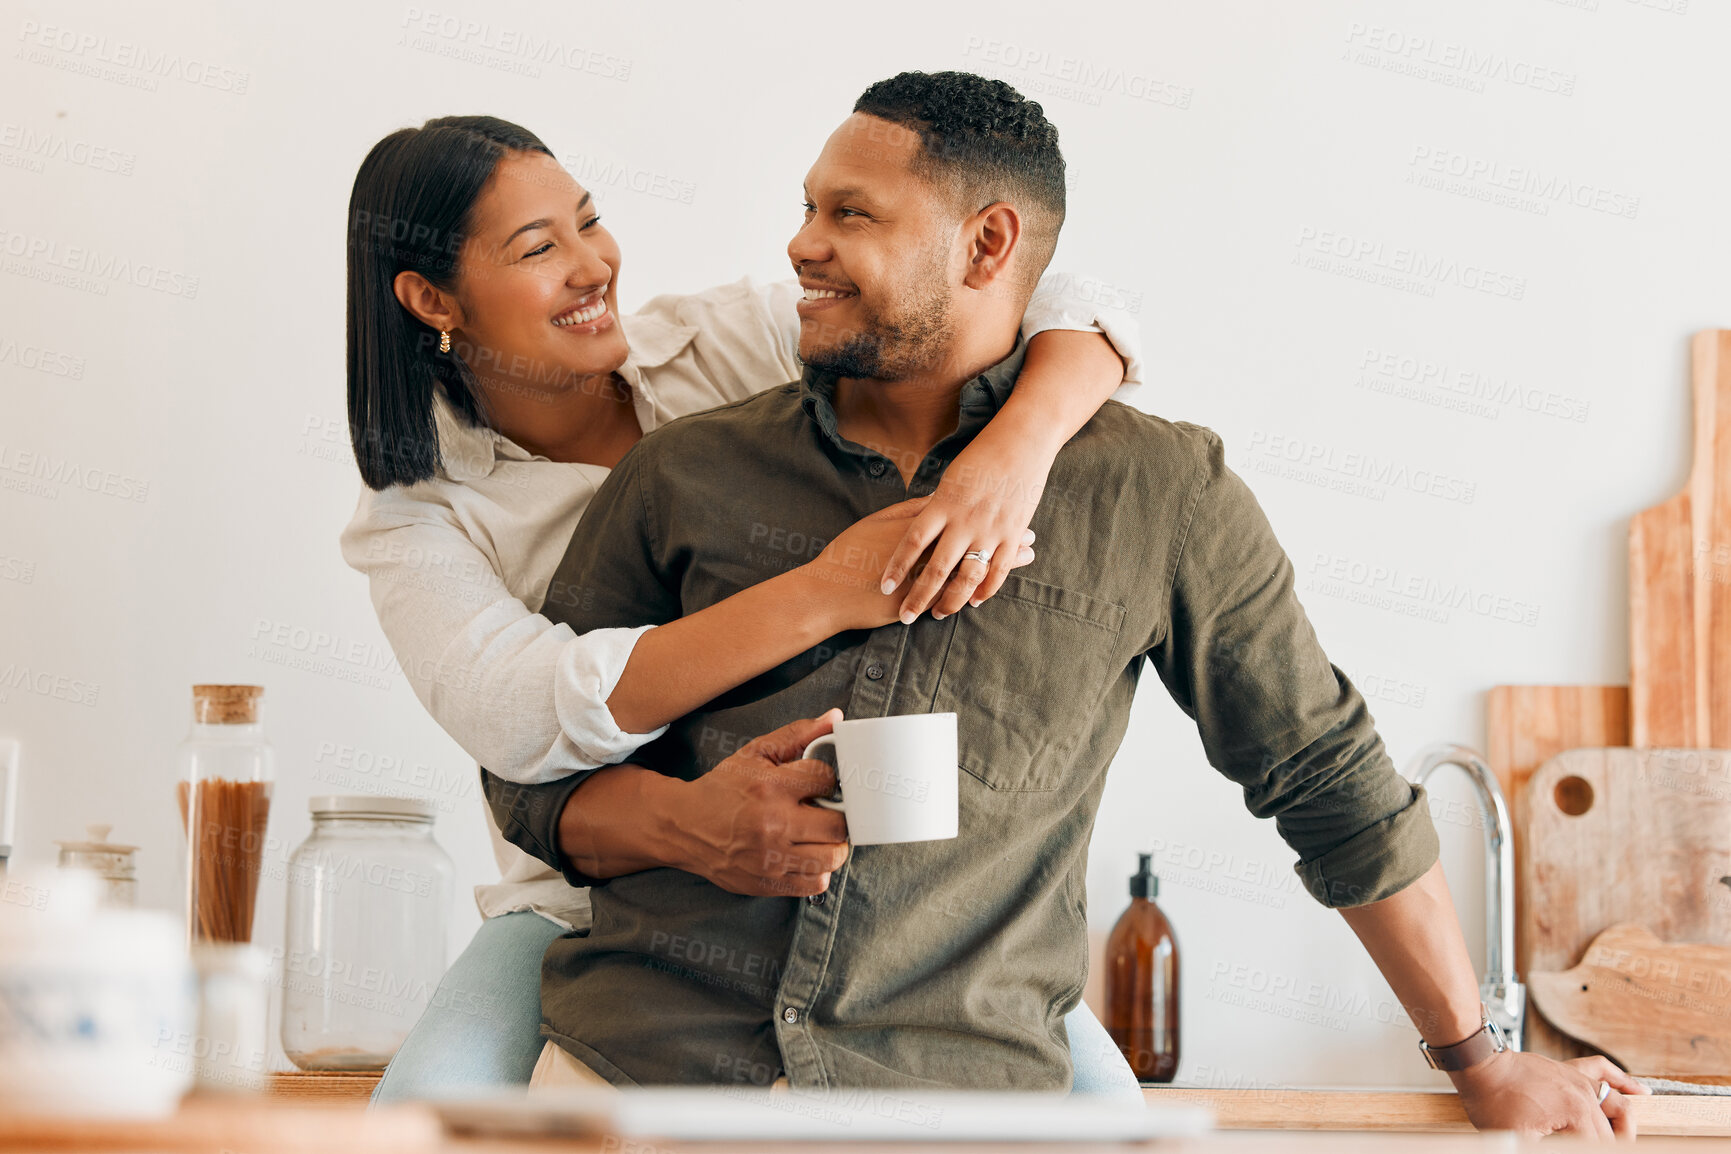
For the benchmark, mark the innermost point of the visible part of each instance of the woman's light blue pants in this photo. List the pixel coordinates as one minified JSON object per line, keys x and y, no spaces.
{"x":482,"y":1030}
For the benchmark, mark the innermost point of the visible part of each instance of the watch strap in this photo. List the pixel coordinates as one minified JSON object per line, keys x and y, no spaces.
{"x":1488,"y":1039}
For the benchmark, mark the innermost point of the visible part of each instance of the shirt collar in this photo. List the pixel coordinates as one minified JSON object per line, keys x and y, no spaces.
{"x":469,"y":452}
{"x":980,"y":401}
{"x":466,"y":452}
{"x":655,"y":341}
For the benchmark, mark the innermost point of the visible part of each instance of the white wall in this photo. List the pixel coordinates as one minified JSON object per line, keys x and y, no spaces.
{"x":1219,"y":151}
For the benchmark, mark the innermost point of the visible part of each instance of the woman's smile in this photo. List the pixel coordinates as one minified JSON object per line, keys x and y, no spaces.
{"x":590,"y":315}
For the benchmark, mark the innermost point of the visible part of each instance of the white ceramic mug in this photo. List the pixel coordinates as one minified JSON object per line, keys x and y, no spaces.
{"x":898,"y":777}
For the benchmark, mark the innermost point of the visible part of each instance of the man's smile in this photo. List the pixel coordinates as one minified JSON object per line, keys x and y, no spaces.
{"x":819,"y":297}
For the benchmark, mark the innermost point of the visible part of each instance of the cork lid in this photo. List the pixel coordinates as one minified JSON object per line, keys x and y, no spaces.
{"x":226,"y":704}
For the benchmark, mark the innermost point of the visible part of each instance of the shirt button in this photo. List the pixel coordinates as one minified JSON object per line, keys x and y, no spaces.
{"x":790,"y":1015}
{"x":877,"y":468}
{"x":816,"y":899}
{"x":875,"y":671}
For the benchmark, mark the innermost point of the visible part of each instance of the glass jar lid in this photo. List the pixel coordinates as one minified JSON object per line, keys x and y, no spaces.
{"x":99,"y":854}
{"x":226,"y":704}
{"x":98,"y":843}
{"x":372,"y":806}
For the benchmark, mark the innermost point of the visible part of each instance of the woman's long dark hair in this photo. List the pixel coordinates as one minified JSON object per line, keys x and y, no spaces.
{"x":409,"y":211}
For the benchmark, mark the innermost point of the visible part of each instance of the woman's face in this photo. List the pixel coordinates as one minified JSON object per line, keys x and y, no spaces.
{"x":537,"y":283}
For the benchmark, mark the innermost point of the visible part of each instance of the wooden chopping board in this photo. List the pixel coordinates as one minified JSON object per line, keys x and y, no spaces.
{"x":1624,"y":835}
{"x":1680,"y":581}
{"x":1658,"y":1008}
{"x":1526,"y":726}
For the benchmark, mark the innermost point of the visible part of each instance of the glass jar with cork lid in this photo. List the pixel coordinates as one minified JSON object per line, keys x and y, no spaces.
{"x":227,"y":770}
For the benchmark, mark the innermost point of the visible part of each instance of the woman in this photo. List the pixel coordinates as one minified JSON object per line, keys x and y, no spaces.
{"x":491,"y":388}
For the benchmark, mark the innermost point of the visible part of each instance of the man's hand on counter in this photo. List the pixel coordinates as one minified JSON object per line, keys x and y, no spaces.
{"x":1415,"y":939}
{"x":1538,"y":1095}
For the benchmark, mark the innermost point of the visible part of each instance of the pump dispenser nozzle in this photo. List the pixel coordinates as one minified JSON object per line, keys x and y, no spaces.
{"x":1143,"y":883}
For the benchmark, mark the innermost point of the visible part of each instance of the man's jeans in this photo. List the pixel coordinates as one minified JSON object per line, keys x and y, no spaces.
{"x":483,"y":1030}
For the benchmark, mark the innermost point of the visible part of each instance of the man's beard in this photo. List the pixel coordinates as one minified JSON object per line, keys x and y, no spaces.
{"x":894,"y":348}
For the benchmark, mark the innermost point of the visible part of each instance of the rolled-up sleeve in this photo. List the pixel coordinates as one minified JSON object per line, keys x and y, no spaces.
{"x":1087,"y":304}
{"x":587,"y":675}
{"x":520,"y":693}
{"x":1275,"y":716}
{"x":528,"y":817}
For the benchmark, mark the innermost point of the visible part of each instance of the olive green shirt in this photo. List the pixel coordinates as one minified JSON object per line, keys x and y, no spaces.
{"x":945,"y":963}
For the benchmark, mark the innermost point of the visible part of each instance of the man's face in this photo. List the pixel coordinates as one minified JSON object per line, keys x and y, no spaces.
{"x":878,"y":256}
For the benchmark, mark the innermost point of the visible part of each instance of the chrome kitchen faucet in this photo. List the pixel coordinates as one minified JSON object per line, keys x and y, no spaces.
{"x":1505,"y":998}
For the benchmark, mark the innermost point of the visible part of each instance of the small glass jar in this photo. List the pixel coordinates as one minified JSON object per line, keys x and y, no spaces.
{"x":227,"y":770}
{"x":111,"y":863}
{"x":368,"y":895}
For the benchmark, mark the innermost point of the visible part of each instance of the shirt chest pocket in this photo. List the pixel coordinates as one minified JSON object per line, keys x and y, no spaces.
{"x":1023,"y":673}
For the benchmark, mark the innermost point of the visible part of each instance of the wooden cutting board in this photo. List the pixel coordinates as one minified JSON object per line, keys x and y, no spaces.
{"x":1624,"y":835}
{"x":1680,"y":581}
{"x":1658,"y":1008}
{"x":1526,"y":726}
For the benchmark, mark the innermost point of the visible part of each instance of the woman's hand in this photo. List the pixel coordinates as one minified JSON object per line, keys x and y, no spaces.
{"x":850,"y":570}
{"x":983,"y":506}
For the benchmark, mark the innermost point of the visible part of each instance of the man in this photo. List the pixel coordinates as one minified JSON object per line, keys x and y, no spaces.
{"x":735,"y":937}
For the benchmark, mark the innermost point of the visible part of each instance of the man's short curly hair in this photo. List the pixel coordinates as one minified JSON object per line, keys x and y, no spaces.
{"x":987,"y":143}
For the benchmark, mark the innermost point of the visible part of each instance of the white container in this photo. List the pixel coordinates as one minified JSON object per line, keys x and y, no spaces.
{"x":369,"y":892}
{"x":94,"y":1002}
{"x":232,"y":1045}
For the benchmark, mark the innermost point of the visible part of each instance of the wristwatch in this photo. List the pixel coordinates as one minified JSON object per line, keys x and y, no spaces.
{"x":1488,"y":1039}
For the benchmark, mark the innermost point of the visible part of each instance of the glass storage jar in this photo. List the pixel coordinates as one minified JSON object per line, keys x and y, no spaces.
{"x":227,"y":772}
{"x":368,"y":894}
{"x":112,"y":864}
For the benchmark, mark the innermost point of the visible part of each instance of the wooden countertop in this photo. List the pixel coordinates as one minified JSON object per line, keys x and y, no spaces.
{"x":1416,"y":1111}
{"x":302,"y":1125}
{"x":1264,"y":1108}
{"x":327,"y":1114}
{"x":279,"y":1126}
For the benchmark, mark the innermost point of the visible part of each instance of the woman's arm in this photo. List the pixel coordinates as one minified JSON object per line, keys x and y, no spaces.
{"x":1079,"y":355}
{"x":533,"y":701}
{"x":523,"y":696}
{"x":678,"y":666}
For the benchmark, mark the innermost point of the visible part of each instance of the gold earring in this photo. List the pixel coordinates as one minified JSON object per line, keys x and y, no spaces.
{"x":444,"y":341}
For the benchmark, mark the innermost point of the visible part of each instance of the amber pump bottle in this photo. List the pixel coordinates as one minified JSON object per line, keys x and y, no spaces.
{"x":1142,"y":983}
